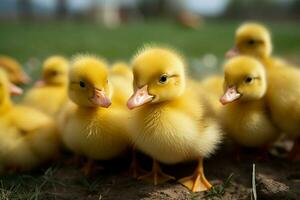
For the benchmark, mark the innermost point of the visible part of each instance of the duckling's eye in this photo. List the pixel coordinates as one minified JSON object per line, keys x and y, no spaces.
{"x":54,"y":73}
{"x":82,"y":84}
{"x":248,"y":80}
{"x":251,"y":42}
{"x":163,"y":79}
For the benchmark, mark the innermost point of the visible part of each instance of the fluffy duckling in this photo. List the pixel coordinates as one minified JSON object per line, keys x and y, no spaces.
{"x":121,"y":78}
{"x":165,"y":106}
{"x":245,"y":85}
{"x":14,"y":70}
{"x":255,"y":40}
{"x":283,"y":90}
{"x":50,"y":93}
{"x":31,"y":137}
{"x":212,"y":87}
{"x":122,"y":69}
{"x":96,"y":127}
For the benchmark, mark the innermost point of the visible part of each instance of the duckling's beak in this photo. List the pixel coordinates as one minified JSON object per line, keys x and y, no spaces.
{"x":230,"y":95}
{"x":140,"y":97}
{"x":40,"y":83}
{"x":25,"y":79}
{"x":232,"y":52}
{"x":100,"y":99}
{"x":15,"y":90}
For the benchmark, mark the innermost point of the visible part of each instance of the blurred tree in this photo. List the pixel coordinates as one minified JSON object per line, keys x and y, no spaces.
{"x":24,"y":9}
{"x":261,"y":9}
{"x":61,"y":9}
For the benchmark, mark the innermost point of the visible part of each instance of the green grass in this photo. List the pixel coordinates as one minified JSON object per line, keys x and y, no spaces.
{"x":41,"y":39}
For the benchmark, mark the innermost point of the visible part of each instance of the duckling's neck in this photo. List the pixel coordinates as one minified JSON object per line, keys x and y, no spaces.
{"x":267,"y":62}
{"x":6,"y":105}
{"x":90,"y":110}
{"x":242,"y":105}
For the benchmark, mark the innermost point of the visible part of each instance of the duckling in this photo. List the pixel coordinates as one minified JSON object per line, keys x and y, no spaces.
{"x":212,"y":89}
{"x":283,"y":89}
{"x":15,"y":72}
{"x":31,"y":136}
{"x":255,"y":40}
{"x":165,"y":105}
{"x":50,"y":93}
{"x":245,"y":85}
{"x":121,"y":77}
{"x":123,"y":69}
{"x":96,"y":125}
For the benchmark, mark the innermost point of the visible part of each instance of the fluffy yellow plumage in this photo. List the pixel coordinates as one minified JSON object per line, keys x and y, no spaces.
{"x":283,"y":89}
{"x":212,"y":89}
{"x":122,"y":69}
{"x":95,"y":127}
{"x":50,"y":93}
{"x":169,"y":124}
{"x":246,"y":118}
{"x":14,"y":70}
{"x":30,"y":137}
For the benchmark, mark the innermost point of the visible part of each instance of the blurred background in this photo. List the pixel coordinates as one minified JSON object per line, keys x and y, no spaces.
{"x":31,"y":30}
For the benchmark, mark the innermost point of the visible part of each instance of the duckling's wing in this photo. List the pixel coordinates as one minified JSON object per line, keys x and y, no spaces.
{"x":27,"y":119}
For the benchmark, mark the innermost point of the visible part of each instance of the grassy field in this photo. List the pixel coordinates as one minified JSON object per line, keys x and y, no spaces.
{"x":41,"y":39}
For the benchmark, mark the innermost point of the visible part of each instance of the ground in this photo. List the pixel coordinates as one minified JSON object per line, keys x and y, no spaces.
{"x":276,"y":178}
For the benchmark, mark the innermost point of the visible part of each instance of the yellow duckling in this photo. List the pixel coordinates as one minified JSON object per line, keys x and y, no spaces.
{"x":246,"y":118}
{"x":121,"y":78}
{"x":255,"y":40}
{"x":31,"y":137}
{"x":50,"y":93}
{"x":14,"y":70}
{"x":97,"y":126}
{"x":212,"y":89}
{"x":122,"y":69}
{"x":169,"y":124}
{"x":283,"y":89}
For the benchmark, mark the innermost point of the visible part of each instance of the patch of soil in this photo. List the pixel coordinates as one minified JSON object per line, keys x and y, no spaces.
{"x":276,"y":178}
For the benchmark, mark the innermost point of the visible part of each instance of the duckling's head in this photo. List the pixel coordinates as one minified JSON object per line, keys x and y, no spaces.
{"x":159,"y":75}
{"x":252,"y":39}
{"x":55,"y":71}
{"x":14,"y":70}
{"x":88,"y":82}
{"x":7,"y":88}
{"x":245,"y":80}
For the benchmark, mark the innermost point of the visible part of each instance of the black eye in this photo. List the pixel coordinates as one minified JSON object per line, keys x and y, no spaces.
{"x":163,"y":79}
{"x":82,"y":84}
{"x":251,"y":42}
{"x":248,"y":80}
{"x":54,"y":73}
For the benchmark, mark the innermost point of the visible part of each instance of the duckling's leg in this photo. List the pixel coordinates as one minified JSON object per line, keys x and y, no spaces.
{"x":295,"y":152}
{"x":156,"y":176}
{"x":237,"y":152}
{"x":263,"y":154}
{"x":197,"y":182}
{"x":74,"y":160}
{"x":90,"y":167}
{"x":134,"y":168}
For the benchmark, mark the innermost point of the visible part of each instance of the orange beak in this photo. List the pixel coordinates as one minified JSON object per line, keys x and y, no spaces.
{"x":230,"y":95}
{"x":25,"y":79}
{"x":40,"y":83}
{"x":100,"y":99}
{"x":15,"y":90}
{"x":232,"y":52}
{"x":140,"y":97}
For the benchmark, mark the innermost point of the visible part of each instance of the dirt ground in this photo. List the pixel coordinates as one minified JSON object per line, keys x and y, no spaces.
{"x":276,"y":178}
